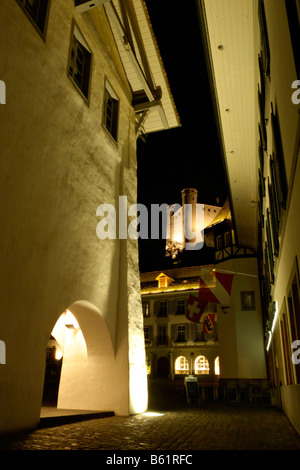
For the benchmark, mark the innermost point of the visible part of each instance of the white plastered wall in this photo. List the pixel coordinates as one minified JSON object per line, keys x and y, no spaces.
{"x":57,"y":165}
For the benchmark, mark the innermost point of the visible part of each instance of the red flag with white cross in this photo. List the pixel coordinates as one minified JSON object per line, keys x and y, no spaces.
{"x":194,"y":308}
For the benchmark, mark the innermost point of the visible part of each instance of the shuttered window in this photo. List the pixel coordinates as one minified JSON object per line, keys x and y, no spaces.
{"x":274,"y":219}
{"x":262,"y":121}
{"x":261,"y":150}
{"x":269,"y":266}
{"x":265,"y":49}
{"x":280,"y":180}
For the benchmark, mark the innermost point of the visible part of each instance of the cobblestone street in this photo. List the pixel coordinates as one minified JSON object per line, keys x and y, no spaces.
{"x":210,"y":426}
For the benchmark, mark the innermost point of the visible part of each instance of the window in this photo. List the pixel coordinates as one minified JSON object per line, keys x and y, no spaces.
{"x":147,"y":334}
{"x":148,"y":366}
{"x":200,"y":336}
{"x":201,"y":365}
{"x":227,"y":239}
{"x":280,"y":181}
{"x":219,"y":242}
{"x":110,"y":111}
{"x":263,"y":130}
{"x":261,"y":149}
{"x":180,"y":307}
{"x":270,"y":244}
{"x":268,"y":264}
{"x":162,"y":312}
{"x":274,"y":211}
{"x":162,"y":335}
{"x":265,"y":49}
{"x":146,"y":309}
{"x":248,"y":300}
{"x":262,"y":194}
{"x":217,"y":366}
{"x":181,"y":365}
{"x":180,"y":334}
{"x":37,"y":12}
{"x":163,"y":281}
{"x":79,"y":68}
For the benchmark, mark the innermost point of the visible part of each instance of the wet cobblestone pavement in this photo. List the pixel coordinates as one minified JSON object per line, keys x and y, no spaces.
{"x":215,"y":426}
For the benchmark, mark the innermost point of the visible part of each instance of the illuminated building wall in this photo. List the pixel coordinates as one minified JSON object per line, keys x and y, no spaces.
{"x":68,"y":144}
{"x":176,"y":346}
{"x":254,"y":67}
{"x":177,"y":240}
{"x":280,"y":195}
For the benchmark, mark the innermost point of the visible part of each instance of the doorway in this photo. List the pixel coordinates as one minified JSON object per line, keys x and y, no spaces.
{"x":163,"y":367}
{"x":54,"y":358}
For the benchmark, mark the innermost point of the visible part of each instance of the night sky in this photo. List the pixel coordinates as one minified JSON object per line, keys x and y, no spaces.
{"x":189,"y":156}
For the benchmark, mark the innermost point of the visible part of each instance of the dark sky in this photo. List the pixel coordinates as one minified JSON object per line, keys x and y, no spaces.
{"x":189,"y":156}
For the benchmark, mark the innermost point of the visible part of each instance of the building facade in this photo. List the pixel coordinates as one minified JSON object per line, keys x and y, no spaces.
{"x":253,"y":58}
{"x":83,"y":80}
{"x":225,"y":345}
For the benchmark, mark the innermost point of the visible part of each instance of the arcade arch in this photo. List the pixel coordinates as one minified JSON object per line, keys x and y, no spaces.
{"x":87,"y":376}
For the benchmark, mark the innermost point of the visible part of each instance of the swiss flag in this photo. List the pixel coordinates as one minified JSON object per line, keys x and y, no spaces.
{"x":195,"y":308}
{"x":215,"y":286}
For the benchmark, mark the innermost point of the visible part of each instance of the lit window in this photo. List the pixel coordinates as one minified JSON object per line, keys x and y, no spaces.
{"x":147,"y":334}
{"x":217,"y":366}
{"x":110,"y":111}
{"x":148,"y":366}
{"x":146,"y":309}
{"x":201,"y":365}
{"x":79,"y":68}
{"x":162,"y":281}
{"x":37,"y":12}
{"x":181,"y":365}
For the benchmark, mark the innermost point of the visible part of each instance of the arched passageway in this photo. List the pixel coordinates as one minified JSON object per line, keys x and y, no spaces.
{"x":80,"y":357}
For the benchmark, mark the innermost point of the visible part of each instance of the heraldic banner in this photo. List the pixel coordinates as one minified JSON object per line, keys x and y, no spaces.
{"x":215,"y":286}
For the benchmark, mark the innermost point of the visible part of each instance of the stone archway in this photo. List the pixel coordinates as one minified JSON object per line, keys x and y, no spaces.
{"x":87,"y":379}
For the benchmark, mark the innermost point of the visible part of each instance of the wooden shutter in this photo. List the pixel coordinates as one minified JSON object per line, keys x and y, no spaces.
{"x":265,"y":49}
{"x":274,"y":220}
{"x":278,"y":158}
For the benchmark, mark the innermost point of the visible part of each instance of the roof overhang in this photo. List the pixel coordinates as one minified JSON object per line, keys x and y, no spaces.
{"x":130,"y":24}
{"x":228,"y":30}
{"x":135,"y":40}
